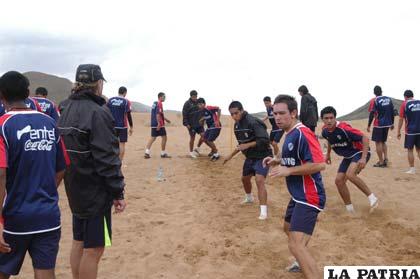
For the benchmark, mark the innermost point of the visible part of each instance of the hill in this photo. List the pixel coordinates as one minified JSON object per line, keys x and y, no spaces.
{"x":59,"y":88}
{"x":362,"y":112}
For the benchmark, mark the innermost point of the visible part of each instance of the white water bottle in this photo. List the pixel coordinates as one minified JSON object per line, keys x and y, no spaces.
{"x":160,"y":177}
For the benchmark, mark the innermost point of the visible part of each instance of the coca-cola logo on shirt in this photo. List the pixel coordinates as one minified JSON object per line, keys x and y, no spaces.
{"x":37,"y":139}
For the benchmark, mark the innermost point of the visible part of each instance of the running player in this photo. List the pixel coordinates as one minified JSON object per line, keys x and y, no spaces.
{"x":120,"y":108}
{"x":276,"y":133}
{"x":301,"y":163}
{"x":158,"y":127}
{"x":381,"y":112}
{"x":353,"y":146}
{"x":254,"y":143}
{"x":32,"y":163}
{"x":410,"y":113}
{"x":211,"y":115}
{"x":191,"y":116}
{"x":47,"y":106}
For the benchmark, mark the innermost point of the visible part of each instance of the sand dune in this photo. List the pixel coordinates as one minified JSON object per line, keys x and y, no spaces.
{"x":193,"y":226}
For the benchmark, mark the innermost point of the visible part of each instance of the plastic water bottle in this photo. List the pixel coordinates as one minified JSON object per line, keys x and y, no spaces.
{"x":160,"y":177}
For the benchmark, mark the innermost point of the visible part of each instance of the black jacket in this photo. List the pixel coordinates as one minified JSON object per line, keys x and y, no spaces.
{"x":191,"y":114}
{"x":308,"y":110}
{"x":249,"y":129}
{"x":94,"y":176}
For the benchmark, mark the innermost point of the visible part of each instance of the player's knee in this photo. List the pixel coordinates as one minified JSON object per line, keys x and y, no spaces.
{"x":351,"y":175}
{"x":94,"y":252}
{"x":339,"y":181}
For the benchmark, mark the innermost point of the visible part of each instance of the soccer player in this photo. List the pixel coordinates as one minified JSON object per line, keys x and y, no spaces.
{"x":254,"y":143}
{"x":32,"y":104}
{"x":94,"y":181}
{"x":353,"y":146}
{"x":308,"y":108}
{"x":410,"y":113}
{"x":211,"y":115}
{"x":301,"y":163}
{"x":120,"y":108}
{"x":158,"y":127}
{"x":32,"y":163}
{"x":381,"y":112}
{"x":47,"y":106}
{"x":191,"y":116}
{"x":276,"y":133}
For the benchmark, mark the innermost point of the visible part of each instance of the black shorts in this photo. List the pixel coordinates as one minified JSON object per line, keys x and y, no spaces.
{"x":411,"y":141}
{"x":94,"y":231}
{"x":380,"y":134}
{"x":160,"y":133}
{"x":122,"y":134}
{"x":301,"y":217}
{"x":276,"y":135}
{"x":253,"y":167}
{"x":345,"y":163}
{"x":42,"y":247}
{"x":196,"y":130}
{"x":212,"y":134}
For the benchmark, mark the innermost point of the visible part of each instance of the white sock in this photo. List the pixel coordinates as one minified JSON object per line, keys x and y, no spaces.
{"x":147,"y":151}
{"x":349,"y":207}
{"x":249,"y":197}
{"x":372,"y":199}
{"x":263,"y":210}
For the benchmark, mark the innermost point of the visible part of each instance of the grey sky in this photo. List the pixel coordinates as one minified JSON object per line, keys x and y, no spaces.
{"x":226,"y":50}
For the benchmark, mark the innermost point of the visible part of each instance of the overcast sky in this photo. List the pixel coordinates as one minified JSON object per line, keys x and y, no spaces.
{"x":226,"y":50}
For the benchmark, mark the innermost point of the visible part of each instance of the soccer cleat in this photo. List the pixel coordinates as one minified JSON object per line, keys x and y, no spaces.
{"x":146,"y":156}
{"x":193,"y":155}
{"x":166,"y":155}
{"x":374,"y":205}
{"x":197,"y":151}
{"x":263,"y":217}
{"x":210,"y":154}
{"x":379,"y":165}
{"x":294,"y":267}
{"x":411,"y":171}
{"x":247,"y":200}
{"x":215,"y":157}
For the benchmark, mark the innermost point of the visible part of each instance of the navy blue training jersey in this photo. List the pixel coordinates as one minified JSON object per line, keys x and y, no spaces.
{"x":345,"y":140}
{"x":48,"y":107}
{"x":300,"y":147}
{"x":32,"y":154}
{"x":410,"y":111}
{"x":383,"y":110}
{"x":157,"y":110}
{"x":119,"y":107}
{"x":271,"y":119}
{"x":31,"y":103}
{"x":211,"y":117}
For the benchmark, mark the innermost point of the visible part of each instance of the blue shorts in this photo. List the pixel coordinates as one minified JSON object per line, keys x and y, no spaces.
{"x":301,"y":217}
{"x":42,"y":247}
{"x":254,"y":166}
{"x":122,"y":134}
{"x":196,"y":130}
{"x":212,"y":134}
{"x":380,"y":134}
{"x":276,"y":135}
{"x":160,"y":133}
{"x":411,"y":141}
{"x":345,"y":163}
{"x":95,"y":231}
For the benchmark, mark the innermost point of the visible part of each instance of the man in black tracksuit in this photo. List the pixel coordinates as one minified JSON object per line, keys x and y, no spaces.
{"x":308,"y":108}
{"x":254,"y":143}
{"x":93,"y":181}
{"x":191,"y":115}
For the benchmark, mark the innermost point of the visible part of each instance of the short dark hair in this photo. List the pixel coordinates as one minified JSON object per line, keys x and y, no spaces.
{"x":288,"y":100}
{"x":201,"y":101}
{"x":193,"y":93}
{"x":122,"y":90}
{"x":408,"y":94}
{"x":303,"y":89}
{"x":161,"y":94}
{"x":236,"y":104}
{"x":377,"y":90}
{"x":14,"y":86}
{"x":327,"y":110}
{"x":267,"y":99}
{"x":41,"y":91}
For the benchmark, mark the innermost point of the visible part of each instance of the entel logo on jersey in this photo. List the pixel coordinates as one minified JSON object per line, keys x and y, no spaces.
{"x":44,"y":106}
{"x":384,"y":102}
{"x":414,"y":107}
{"x":117,"y":102}
{"x":39,"y":139}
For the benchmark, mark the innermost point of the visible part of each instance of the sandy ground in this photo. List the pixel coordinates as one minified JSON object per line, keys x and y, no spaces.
{"x":193,"y":226}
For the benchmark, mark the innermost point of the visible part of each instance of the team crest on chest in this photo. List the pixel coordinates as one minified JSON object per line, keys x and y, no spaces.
{"x":290,"y":146}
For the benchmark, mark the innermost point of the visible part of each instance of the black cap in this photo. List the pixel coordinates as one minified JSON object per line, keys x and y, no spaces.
{"x":89,"y":73}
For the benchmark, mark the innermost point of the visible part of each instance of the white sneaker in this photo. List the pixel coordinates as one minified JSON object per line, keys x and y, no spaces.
{"x":262,"y":217}
{"x":197,"y":151}
{"x":193,"y":155}
{"x":294,"y":267}
{"x":411,"y":171}
{"x":374,"y":205}
{"x":247,"y":200}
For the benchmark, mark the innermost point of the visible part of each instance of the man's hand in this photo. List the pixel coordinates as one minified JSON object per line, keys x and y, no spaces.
{"x":361,"y":164}
{"x":4,"y":247}
{"x":368,"y":129}
{"x":130,"y":131}
{"x":119,"y":206}
{"x":169,"y":121}
{"x":227,"y":159}
{"x":328,"y":159}
{"x":270,"y":161}
{"x":280,"y":171}
{"x":158,"y":127}
{"x":399,"y":135}
{"x":242,"y":147}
